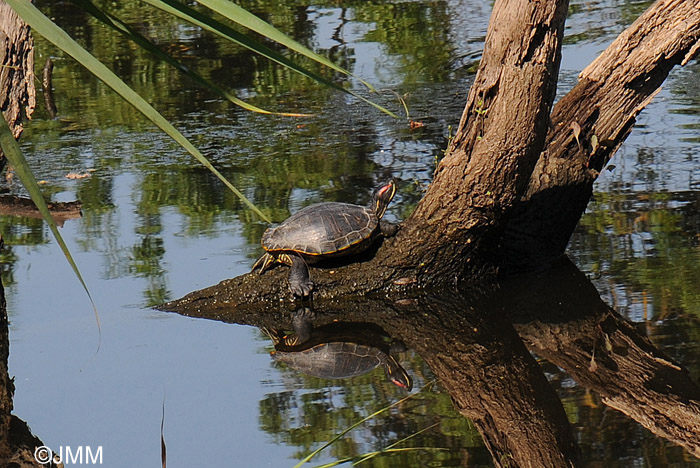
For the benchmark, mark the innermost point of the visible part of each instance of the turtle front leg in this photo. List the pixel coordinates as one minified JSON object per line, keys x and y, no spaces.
{"x":388,"y":229}
{"x":299,"y":282}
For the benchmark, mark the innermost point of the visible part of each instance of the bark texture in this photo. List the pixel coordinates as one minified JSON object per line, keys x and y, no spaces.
{"x":499,"y":138}
{"x":17,"y":90}
{"x":591,"y":122}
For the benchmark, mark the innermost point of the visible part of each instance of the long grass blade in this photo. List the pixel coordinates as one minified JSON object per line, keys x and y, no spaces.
{"x":54,"y":34}
{"x":163,"y":449}
{"x":368,"y":455}
{"x":193,"y":16}
{"x":358,"y":423}
{"x":21,"y":167}
{"x":129,"y":32}
{"x":248,"y":20}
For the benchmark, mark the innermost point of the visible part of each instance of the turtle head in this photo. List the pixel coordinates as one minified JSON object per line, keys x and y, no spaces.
{"x":382,"y":197}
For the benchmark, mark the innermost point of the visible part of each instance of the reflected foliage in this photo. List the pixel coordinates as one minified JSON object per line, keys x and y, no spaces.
{"x":312,"y":411}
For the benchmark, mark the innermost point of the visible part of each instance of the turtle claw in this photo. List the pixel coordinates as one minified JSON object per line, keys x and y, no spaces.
{"x":301,"y":289}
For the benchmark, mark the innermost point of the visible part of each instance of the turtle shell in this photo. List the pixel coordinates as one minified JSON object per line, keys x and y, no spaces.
{"x":333,"y":360}
{"x":324,"y":229}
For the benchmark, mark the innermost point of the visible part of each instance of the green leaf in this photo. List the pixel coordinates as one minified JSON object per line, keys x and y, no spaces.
{"x":126,"y":30}
{"x":198,"y":19}
{"x":362,"y":458}
{"x":248,"y":20}
{"x":42,"y":25}
{"x":21,"y":167}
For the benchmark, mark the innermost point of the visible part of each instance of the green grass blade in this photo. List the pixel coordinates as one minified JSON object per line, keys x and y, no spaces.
{"x":390,"y":447}
{"x":129,"y":32}
{"x":192,"y":16}
{"x":57,"y":36}
{"x":368,"y":455}
{"x":362,"y":421}
{"x":239,"y":15}
{"x":21,"y":167}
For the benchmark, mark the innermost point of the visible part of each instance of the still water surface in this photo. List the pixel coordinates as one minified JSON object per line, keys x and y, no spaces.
{"x":156,"y":226}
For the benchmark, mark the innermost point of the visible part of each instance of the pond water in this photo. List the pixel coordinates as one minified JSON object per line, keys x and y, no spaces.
{"x":156,"y":226}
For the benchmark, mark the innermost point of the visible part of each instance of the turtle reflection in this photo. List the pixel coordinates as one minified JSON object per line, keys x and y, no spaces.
{"x":339,"y":350}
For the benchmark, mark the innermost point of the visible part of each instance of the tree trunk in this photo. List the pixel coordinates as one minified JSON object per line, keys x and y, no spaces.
{"x":17,"y":90}
{"x":499,"y":138}
{"x":17,"y":98}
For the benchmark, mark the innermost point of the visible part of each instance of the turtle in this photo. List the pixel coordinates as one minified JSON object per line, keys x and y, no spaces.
{"x":325,"y":230}
{"x":339,"y":350}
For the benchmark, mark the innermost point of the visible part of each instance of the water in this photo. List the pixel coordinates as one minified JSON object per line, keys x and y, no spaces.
{"x":156,"y":226}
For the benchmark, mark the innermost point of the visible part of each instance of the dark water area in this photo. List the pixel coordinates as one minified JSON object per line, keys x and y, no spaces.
{"x":156,"y":225}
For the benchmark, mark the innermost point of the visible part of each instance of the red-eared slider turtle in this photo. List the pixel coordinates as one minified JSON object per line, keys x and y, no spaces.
{"x":339,"y":350}
{"x":325,"y":230}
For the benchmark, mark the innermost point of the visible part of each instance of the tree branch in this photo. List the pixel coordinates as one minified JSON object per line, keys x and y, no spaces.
{"x":604,"y":105}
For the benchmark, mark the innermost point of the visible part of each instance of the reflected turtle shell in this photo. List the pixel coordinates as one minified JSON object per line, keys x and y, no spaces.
{"x":333,"y":360}
{"x":341,"y":350}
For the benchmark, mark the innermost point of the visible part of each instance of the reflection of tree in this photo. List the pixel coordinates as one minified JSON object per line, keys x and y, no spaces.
{"x":17,"y":444}
{"x":478,"y":357}
{"x":562,"y":318}
{"x":410,"y":32}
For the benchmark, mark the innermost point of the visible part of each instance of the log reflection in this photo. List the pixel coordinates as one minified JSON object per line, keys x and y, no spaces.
{"x":480,"y":350}
{"x":17,"y":443}
{"x":562,"y":318}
